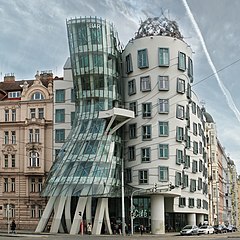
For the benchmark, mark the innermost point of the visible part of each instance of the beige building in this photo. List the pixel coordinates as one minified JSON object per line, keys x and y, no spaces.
{"x":26,"y":123}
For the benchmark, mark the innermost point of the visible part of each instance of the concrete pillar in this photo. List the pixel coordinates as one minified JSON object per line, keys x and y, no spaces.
{"x":157,"y":214}
{"x":191,"y":218}
{"x":200,"y":218}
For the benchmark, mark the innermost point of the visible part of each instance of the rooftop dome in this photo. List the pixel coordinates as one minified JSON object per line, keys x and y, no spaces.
{"x":159,"y":26}
{"x":209,"y":118}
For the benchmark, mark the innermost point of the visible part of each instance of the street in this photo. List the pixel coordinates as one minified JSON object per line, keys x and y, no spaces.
{"x":169,"y":236}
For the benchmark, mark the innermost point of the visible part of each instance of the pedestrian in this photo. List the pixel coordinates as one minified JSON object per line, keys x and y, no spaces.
{"x":89,"y":229}
{"x":13,"y":226}
{"x":141,"y":229}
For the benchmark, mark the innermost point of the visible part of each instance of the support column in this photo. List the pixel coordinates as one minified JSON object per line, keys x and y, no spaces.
{"x":191,"y":218}
{"x":89,"y":210}
{"x":157,"y":214}
{"x":200,"y":218}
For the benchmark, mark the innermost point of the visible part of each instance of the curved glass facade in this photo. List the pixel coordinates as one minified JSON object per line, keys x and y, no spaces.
{"x":89,"y":163}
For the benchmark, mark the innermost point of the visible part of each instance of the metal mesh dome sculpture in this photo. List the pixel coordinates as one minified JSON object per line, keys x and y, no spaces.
{"x":159,"y":26}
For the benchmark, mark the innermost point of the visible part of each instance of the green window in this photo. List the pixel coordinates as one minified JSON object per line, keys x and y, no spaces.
{"x":181,"y":61}
{"x":163,"y":129}
{"x":83,"y":60}
{"x":163,"y":151}
{"x":163,"y":174}
{"x":96,"y":35}
{"x":142,"y":58}
{"x":163,"y":57}
{"x":97,"y":60}
{"x":179,"y":156}
{"x":60,"y":115}
{"x":131,"y":87}
{"x":60,"y":96}
{"x":143,"y":176}
{"x":178,"y":179}
{"x":190,"y":69}
{"x":179,"y":134}
{"x":129,"y":67}
{"x":59,"y":135}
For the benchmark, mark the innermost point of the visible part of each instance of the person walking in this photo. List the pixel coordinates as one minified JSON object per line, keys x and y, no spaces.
{"x":141,"y":229}
{"x":89,"y":229}
{"x":13,"y":226}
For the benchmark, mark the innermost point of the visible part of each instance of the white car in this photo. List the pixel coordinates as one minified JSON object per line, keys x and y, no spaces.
{"x":206,"y":229}
{"x":189,"y":230}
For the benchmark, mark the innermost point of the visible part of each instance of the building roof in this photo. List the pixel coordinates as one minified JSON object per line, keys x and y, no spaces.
{"x":67,"y":64}
{"x":209,"y":118}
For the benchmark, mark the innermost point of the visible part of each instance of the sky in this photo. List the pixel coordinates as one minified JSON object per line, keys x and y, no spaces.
{"x":33,"y":38}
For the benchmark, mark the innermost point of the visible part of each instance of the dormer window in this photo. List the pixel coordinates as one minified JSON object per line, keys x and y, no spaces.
{"x":37,"y":96}
{"x":15,"y":94}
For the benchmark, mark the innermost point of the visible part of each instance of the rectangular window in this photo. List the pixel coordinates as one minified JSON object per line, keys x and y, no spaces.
{"x":191,"y":202}
{"x":15,"y":94}
{"x":181,"y":61}
{"x":180,"y":85}
{"x":182,"y":202}
{"x":73,"y":97}
{"x":13,"y":160}
{"x":6,"y":137}
{"x":128,"y":175}
{"x":13,"y":137}
{"x":5,"y":184}
{"x":200,"y":165}
{"x":40,"y":113}
{"x":33,"y":185}
{"x":40,"y":184}
{"x":188,"y":142}
{"x":6,"y":115}
{"x":33,"y":211}
{"x":131,"y":87}
{"x":185,"y":180}
{"x":131,"y":153}
{"x":200,"y":148}
{"x":129,"y":67}
{"x":96,"y":34}
{"x":14,"y":115}
{"x":194,"y":129}
{"x":163,"y":151}
{"x":133,"y":107}
{"x":189,"y":91}
{"x":194,"y":108}
{"x":91,"y":147}
{"x":163,"y":129}
{"x":84,"y":60}
{"x":163,"y":57}
{"x":12,"y":184}
{"x":195,"y":147}
{"x":60,"y":96}
{"x":60,"y":135}
{"x":97,"y":60}
{"x":192,"y":185}
{"x":37,"y":135}
{"x":179,"y":134}
{"x":194,"y":166}
{"x":147,"y":110}
{"x":30,"y":135}
{"x":163,"y":83}
{"x":163,"y":174}
{"x":142,"y":58}
{"x":178,"y":180}
{"x":190,"y":69}
{"x":60,"y":115}
{"x":145,"y":84}
{"x":163,"y":106}
{"x":179,"y":156}
{"x":72,"y":117}
{"x":32,"y":113}
{"x":180,"y":112}
{"x":6,"y":160}
{"x":200,"y":184}
{"x":199,"y":201}
{"x":143,"y":176}
{"x":187,"y":161}
{"x":146,"y":154}
{"x":85,"y":82}
{"x":132,"y":131}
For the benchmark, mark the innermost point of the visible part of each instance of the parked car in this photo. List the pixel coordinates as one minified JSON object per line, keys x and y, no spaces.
{"x":189,"y":230}
{"x":231,"y":228}
{"x":220,"y":228}
{"x":206,"y":229}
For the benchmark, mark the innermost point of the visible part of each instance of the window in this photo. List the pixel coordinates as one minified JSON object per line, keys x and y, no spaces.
{"x":60,"y":116}
{"x":189,"y":91}
{"x":180,"y":112}
{"x":9,"y":210}
{"x":6,"y":137}
{"x":33,"y":185}
{"x":16,"y":94}
{"x":192,"y":185}
{"x":200,"y":165}
{"x":85,"y":82}
{"x":181,"y":61}
{"x":98,"y":81}
{"x":195,"y":129}
{"x":163,"y":129}
{"x":143,"y":176}
{"x":37,"y":135}
{"x":37,"y":96}
{"x":73,"y":97}
{"x":96,"y":34}
{"x":40,"y":211}
{"x":72,"y":117}
{"x":195,"y":147}
{"x":163,"y":174}
{"x":180,"y":85}
{"x":6,"y":115}
{"x":6,"y":160}
{"x":60,"y":135}
{"x":142,"y":58}
{"x":200,"y":148}
{"x":132,"y":131}
{"x":188,"y":142}
{"x":163,"y":106}
{"x":200,"y":184}
{"x":40,"y":184}
{"x":83,"y":60}
{"x":82,"y":34}
{"x":163,"y":83}
{"x":5,"y":184}
{"x":91,"y":147}
{"x":179,"y":156}
{"x":30,"y":135}
{"x":33,"y":211}
{"x":190,"y":69}
{"x":60,"y":96}
{"x":191,"y":202}
{"x":57,"y":151}
{"x":34,"y":159}
{"x":133,"y":107}
{"x":13,"y":184}
{"x":13,"y":160}
{"x":131,"y":87}
{"x":145,"y":84}
{"x":131,"y":153}
{"x":194,"y":108}
{"x":147,"y":110}
{"x":187,"y":161}
{"x":14,"y":115}
{"x":163,"y":57}
{"x":199,"y":129}
{"x":13,"y":137}
{"x":97,"y":60}
{"x":179,"y":134}
{"x":146,"y":154}
{"x":185,"y":180}
{"x":178,"y":181}
{"x":163,"y":151}
{"x":182,"y":202}
{"x":194,"y":166}
{"x":128,"y":175}
{"x":32,"y":113}
{"x":199,"y":201}
{"x":129,"y":67}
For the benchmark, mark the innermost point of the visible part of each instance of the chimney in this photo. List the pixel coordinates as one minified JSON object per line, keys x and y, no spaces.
{"x":9,"y":78}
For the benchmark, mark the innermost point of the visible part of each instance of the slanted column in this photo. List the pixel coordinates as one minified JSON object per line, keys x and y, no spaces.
{"x":191,"y":218}
{"x":157,"y":214}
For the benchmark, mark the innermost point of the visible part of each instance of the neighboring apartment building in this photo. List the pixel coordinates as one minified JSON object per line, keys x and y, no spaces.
{"x":25,"y":147}
{"x":64,"y":107}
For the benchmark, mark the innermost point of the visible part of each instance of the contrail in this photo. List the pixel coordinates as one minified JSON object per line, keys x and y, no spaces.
{"x":226,"y":93}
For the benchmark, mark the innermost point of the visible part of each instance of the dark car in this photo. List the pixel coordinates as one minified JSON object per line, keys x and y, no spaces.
{"x":231,"y":228}
{"x":189,"y":230}
{"x":220,"y":228}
